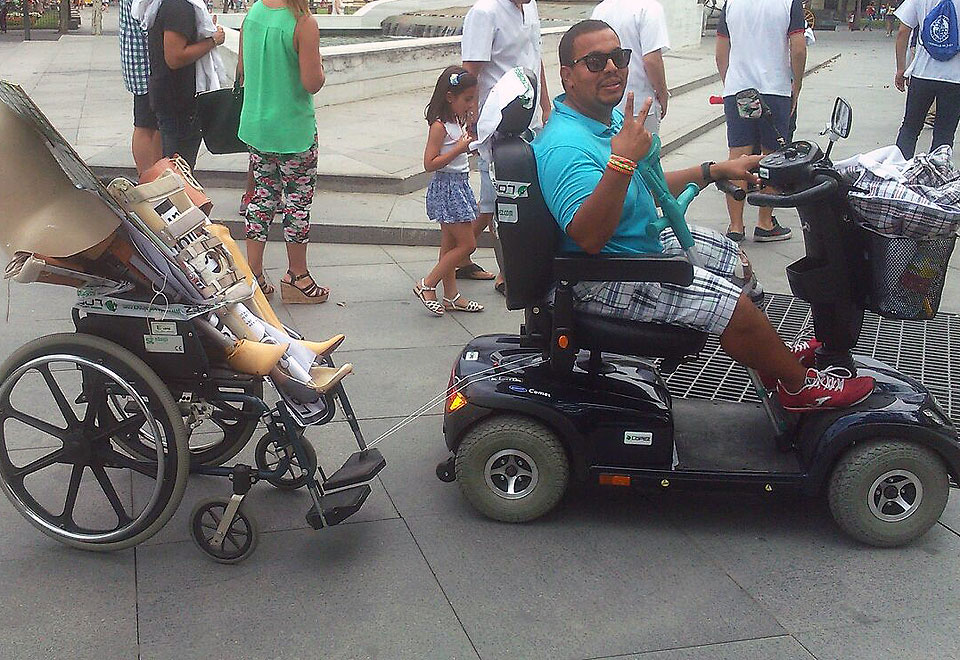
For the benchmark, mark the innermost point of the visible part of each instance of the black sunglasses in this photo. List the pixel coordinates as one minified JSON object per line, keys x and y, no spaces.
{"x":597,"y":62}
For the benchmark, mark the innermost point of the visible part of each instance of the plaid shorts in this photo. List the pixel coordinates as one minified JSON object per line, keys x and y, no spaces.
{"x":707,"y":304}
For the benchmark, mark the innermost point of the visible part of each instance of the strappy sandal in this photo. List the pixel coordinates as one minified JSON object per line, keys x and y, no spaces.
{"x":312,"y":293}
{"x":452,"y":306}
{"x":433,"y":306}
{"x":265,"y":287}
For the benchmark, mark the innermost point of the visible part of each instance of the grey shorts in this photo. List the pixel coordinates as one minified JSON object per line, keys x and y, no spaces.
{"x":707,"y":304}
{"x":488,"y":195}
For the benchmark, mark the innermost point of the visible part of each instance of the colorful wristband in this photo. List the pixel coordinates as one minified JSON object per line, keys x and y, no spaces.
{"x":621,"y":164}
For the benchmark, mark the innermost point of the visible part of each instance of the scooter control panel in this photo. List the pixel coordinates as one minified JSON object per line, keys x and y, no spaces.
{"x":791,"y":167}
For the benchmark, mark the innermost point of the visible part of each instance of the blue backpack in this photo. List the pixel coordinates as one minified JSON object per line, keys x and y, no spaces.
{"x":939,"y":34}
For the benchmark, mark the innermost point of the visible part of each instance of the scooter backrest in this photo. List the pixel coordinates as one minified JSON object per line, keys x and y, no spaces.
{"x":528,"y":233}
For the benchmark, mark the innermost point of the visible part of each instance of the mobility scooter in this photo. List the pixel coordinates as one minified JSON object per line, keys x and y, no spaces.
{"x":581,"y":397}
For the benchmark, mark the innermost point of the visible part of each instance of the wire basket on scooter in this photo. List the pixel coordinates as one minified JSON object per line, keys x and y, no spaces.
{"x":907,"y":274}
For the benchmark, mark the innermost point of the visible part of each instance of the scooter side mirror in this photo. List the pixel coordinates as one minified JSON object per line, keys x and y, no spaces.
{"x":841,"y":119}
{"x":750,"y":105}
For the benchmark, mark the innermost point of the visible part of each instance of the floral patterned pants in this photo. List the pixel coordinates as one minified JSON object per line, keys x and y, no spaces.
{"x":282,"y":182}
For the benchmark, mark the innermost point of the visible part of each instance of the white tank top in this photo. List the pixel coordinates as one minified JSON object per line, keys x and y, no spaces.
{"x":460,"y":163}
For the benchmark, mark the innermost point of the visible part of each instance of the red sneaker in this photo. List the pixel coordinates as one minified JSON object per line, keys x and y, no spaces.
{"x":804,"y":351}
{"x":824,"y":390}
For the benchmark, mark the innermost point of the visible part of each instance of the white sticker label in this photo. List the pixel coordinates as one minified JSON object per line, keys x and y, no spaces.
{"x":507,"y":213}
{"x":471,"y":356}
{"x":763,"y":173}
{"x":511,"y":189}
{"x":163,"y":344}
{"x":638,"y":438}
{"x":163,"y":328}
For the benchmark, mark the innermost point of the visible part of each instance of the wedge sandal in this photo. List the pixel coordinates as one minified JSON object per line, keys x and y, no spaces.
{"x":312,"y":293}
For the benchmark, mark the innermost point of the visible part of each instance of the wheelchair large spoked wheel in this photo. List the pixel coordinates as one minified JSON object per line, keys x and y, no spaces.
{"x":64,"y":457}
{"x":512,"y":468}
{"x":217,"y":430}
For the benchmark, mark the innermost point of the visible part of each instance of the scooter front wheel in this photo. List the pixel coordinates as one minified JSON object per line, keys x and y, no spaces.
{"x":512,"y":468}
{"x":887,"y":493}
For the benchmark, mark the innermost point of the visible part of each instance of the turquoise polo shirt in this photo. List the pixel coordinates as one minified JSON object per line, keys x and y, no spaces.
{"x":572,"y":153}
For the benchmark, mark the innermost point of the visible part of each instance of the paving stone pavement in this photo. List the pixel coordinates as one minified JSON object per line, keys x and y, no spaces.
{"x":419,"y":574}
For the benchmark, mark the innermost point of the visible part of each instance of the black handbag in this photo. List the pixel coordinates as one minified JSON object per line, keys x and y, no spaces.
{"x":219,"y":115}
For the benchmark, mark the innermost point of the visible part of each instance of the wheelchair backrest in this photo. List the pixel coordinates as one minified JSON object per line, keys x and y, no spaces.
{"x":528,"y":233}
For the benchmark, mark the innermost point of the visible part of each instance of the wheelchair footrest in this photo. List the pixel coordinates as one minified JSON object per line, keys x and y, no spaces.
{"x":337,"y":507}
{"x":359,"y":468}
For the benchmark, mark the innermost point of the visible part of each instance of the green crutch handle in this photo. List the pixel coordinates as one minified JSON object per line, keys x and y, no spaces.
{"x":673,"y":208}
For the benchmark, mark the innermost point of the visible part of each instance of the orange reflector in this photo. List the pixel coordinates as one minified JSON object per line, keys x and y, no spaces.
{"x":456,"y":402}
{"x":563,"y":341}
{"x":614,"y":480}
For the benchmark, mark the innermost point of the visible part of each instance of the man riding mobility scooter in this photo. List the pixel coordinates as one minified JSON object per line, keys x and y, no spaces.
{"x":578,"y":396}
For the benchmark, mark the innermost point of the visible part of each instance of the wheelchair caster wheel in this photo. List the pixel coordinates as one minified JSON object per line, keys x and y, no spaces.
{"x":269,"y":455}
{"x":238,"y":543}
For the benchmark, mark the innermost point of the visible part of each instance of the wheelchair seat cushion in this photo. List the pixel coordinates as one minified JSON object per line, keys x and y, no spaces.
{"x":655,"y":340}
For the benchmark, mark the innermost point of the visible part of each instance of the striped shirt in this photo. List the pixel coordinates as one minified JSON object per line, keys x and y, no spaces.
{"x":134,"y":60}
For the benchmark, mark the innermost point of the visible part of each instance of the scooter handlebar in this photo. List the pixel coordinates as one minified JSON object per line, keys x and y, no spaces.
{"x":823,"y":186}
{"x":736,"y":192}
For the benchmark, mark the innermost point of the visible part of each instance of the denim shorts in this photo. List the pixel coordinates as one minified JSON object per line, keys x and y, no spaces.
{"x":752,"y":132}
{"x":180,"y":134}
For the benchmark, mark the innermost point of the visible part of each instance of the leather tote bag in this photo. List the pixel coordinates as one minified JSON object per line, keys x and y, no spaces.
{"x":219,"y":114}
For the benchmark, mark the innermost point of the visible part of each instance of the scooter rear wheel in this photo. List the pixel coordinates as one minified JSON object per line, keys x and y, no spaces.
{"x":888,"y":492}
{"x":512,"y":468}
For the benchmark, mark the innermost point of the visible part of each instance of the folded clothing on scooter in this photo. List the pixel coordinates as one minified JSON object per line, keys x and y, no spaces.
{"x":917,"y":198}
{"x":910,"y":210}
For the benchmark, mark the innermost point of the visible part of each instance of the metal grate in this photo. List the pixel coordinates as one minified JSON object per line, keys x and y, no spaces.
{"x":926,"y":350}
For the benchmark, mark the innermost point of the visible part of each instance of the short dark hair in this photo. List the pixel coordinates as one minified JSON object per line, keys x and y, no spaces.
{"x":583,"y":27}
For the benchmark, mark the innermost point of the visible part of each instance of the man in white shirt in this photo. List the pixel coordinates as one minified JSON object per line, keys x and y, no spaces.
{"x":499,"y":35}
{"x":929,"y":80}
{"x":642,"y":27}
{"x":760,"y":45}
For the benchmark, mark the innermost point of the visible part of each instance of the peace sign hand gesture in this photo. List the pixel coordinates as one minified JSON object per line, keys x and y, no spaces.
{"x":634,"y":140}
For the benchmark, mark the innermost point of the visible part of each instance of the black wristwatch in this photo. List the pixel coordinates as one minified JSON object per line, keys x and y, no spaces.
{"x":705,"y":172}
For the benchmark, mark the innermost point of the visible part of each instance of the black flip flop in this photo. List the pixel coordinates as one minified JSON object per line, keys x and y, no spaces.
{"x":473,"y":272}
{"x":501,"y":288}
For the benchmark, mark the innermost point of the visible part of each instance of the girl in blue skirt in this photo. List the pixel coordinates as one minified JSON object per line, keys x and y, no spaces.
{"x":450,"y":201}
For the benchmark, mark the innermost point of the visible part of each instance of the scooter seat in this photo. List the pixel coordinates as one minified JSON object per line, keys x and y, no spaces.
{"x":655,"y":340}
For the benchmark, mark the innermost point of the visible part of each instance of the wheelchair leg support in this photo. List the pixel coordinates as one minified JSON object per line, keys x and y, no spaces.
{"x":341,"y":395}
